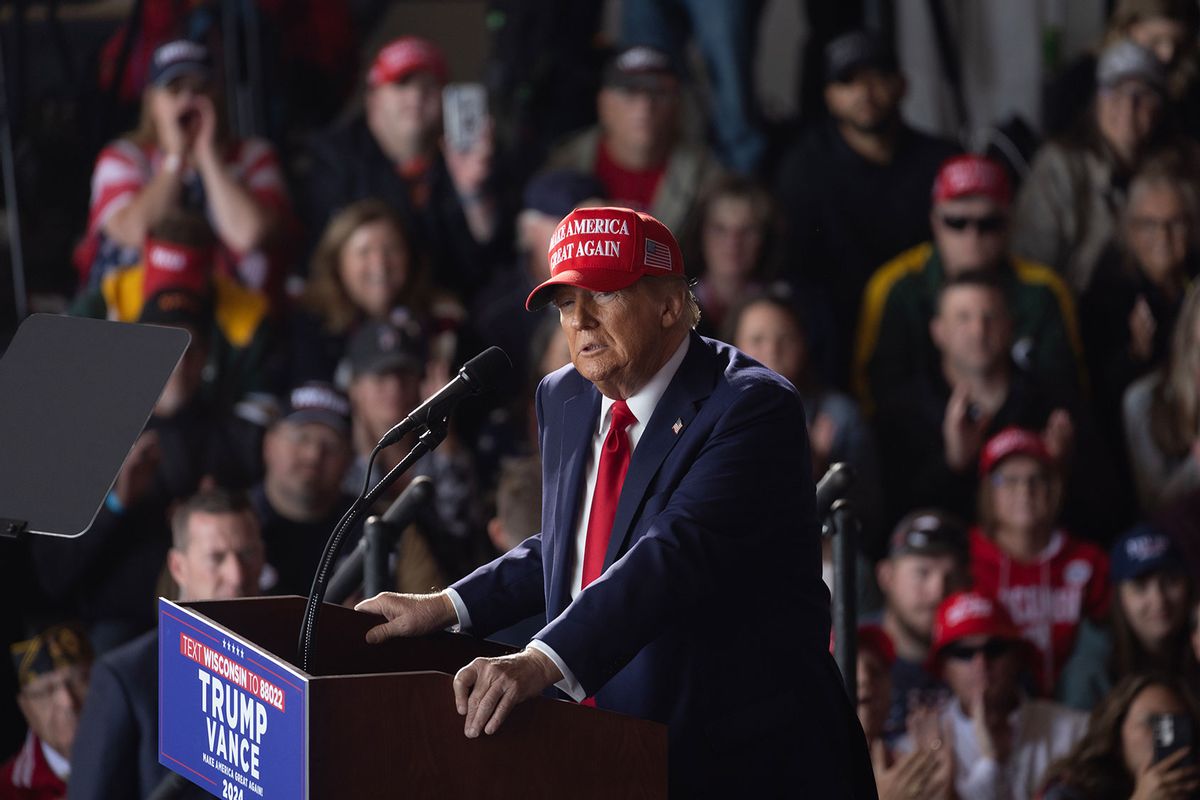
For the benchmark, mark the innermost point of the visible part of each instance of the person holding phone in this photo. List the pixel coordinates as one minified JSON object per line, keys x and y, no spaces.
{"x":183,"y":157}
{"x":441,"y":178}
{"x":1139,"y":745}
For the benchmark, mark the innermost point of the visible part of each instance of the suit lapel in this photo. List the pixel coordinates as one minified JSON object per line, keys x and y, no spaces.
{"x":691,"y":384}
{"x":579,"y":415}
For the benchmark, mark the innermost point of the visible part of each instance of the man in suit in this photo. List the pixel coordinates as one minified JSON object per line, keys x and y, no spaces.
{"x":216,"y":554}
{"x":678,"y":565}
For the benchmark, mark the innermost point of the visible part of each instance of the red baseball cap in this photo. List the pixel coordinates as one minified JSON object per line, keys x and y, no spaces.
{"x":972,"y":175}
{"x":401,"y":57}
{"x":965,"y":614}
{"x":606,"y":249}
{"x":1013,"y":441}
{"x":875,"y":639}
{"x":170,"y":265}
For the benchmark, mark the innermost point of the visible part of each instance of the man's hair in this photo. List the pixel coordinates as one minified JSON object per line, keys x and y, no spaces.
{"x":663,"y":283}
{"x":188,"y":228}
{"x":973,"y":279}
{"x":206,"y":501}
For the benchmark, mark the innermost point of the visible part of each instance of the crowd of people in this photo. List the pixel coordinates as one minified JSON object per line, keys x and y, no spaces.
{"x":1008,"y":358}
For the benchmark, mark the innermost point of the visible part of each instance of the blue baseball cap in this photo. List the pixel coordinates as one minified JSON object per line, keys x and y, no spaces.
{"x":558,"y":192}
{"x":177,"y":58}
{"x":1143,"y":549}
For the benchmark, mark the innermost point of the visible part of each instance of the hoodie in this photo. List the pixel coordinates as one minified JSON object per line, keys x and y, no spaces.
{"x":1047,"y":597}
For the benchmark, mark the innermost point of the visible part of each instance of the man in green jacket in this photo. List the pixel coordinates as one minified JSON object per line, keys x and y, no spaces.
{"x":970,"y":222}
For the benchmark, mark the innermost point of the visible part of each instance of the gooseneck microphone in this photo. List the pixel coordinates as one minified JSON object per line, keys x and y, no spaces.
{"x":400,"y":514}
{"x":431,"y":418}
{"x":482,"y":372}
{"x":833,"y":487}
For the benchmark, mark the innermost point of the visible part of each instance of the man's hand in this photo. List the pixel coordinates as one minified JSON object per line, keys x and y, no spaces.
{"x":408,"y":614}
{"x":963,"y":430}
{"x":487,"y":689}
{"x":1059,"y":435}
{"x":1142,"y":328}
{"x":138,"y":474}
{"x":470,"y":169}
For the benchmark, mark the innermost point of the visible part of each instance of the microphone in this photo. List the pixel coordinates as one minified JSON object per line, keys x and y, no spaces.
{"x":399,"y":515}
{"x":480,"y":373}
{"x":833,"y":487}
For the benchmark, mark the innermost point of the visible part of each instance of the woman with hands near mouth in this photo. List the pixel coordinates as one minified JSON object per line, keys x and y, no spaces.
{"x":182,"y":156}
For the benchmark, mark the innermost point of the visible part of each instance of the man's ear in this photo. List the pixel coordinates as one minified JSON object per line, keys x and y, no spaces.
{"x":495,"y":532}
{"x":673,"y":303}
{"x":23,"y":704}
{"x":883,"y":575}
{"x":176,"y":567}
{"x":936,"y":330}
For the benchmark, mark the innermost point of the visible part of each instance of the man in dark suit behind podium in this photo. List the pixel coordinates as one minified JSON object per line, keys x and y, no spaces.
{"x":678,"y":565}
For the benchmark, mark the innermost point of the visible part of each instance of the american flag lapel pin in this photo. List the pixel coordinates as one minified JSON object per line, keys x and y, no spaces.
{"x":678,"y":426}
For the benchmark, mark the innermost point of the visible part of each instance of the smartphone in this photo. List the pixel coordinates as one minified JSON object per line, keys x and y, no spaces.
{"x":1172,"y":732}
{"x":464,"y":114}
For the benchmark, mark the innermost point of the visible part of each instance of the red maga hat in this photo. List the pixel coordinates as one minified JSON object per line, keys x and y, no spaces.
{"x":1013,"y":441}
{"x":972,"y":175}
{"x":170,"y":265}
{"x":967,"y":613}
{"x":607,"y":249}
{"x":402,"y":57}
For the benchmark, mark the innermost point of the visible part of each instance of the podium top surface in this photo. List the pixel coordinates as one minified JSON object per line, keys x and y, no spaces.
{"x":74,"y":395}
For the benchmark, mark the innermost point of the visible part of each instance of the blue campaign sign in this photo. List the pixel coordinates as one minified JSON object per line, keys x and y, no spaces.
{"x":230,"y":716}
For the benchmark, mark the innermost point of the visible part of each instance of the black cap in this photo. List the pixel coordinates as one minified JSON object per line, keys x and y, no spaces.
{"x":640,"y":67}
{"x":394,"y":345}
{"x":61,"y":645}
{"x":857,"y":50}
{"x":928,"y":532}
{"x":558,"y":192}
{"x":317,"y":401}
{"x":178,"y":58}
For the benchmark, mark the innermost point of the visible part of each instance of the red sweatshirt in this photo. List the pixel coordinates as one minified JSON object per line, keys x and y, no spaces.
{"x":27,"y":775}
{"x":1047,"y":597}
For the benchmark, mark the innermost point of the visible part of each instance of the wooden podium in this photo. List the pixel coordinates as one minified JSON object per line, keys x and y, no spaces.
{"x":240,"y":719}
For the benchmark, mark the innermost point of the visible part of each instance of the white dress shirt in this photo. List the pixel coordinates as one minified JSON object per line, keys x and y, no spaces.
{"x":642,"y":405}
{"x":1043,"y":732}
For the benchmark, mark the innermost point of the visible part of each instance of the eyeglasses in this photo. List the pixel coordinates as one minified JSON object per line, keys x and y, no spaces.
{"x":1149,"y":226}
{"x":991,"y":649}
{"x":1037,"y":481}
{"x":990,"y":223}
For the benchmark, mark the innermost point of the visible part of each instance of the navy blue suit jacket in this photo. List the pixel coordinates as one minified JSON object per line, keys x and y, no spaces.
{"x":711,"y":615}
{"x":115,"y":755}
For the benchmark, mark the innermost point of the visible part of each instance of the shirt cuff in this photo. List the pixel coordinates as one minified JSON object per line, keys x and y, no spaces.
{"x":460,"y":609}
{"x":568,"y":684}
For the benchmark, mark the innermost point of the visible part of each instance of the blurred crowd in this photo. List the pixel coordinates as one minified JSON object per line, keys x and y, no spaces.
{"x":1005,"y":349}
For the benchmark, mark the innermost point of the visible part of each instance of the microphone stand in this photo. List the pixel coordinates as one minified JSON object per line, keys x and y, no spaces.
{"x":434,"y":433}
{"x":840,"y":524}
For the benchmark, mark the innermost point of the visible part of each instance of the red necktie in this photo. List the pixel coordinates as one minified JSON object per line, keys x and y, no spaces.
{"x":614,"y":463}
